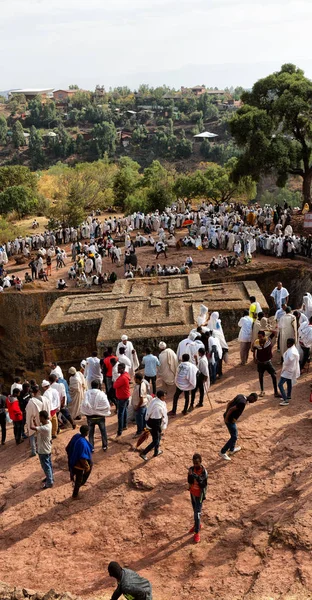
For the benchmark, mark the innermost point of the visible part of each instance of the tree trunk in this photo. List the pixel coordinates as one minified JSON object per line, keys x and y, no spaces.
{"x":306,"y":189}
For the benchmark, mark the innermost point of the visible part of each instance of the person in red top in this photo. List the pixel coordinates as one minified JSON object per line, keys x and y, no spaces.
{"x":122,"y":391}
{"x":107,"y":369}
{"x":15,"y":415}
{"x":198,"y":481}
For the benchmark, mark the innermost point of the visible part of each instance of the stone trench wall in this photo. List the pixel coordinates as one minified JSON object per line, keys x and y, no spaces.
{"x":21,"y":343}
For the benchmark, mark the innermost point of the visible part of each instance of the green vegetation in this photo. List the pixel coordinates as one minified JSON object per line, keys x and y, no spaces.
{"x":274,"y":129}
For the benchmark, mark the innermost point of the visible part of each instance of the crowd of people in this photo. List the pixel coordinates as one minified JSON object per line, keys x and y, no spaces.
{"x":135,"y":388}
{"x":240,"y":230}
{"x":115,"y":381}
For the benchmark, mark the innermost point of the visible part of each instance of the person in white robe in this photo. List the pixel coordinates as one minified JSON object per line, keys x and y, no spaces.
{"x":129,"y":353}
{"x":307,"y":305}
{"x":77,"y":388}
{"x":168,"y":367}
{"x":287,"y":326}
{"x":33,"y":408}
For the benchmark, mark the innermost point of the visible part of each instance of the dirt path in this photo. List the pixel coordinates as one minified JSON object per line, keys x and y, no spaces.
{"x":256,"y":541}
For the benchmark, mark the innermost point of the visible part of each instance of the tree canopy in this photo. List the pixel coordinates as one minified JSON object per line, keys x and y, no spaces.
{"x":274,"y":129}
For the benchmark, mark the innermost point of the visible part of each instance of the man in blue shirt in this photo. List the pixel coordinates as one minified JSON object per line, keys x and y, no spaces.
{"x":150,"y":363}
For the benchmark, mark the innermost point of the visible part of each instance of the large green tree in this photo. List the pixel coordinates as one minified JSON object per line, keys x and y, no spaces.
{"x":16,"y":176}
{"x":18,"y":198}
{"x":35,"y":148}
{"x":215,"y":183}
{"x":125,"y":180}
{"x":274,"y":128}
{"x":18,"y":135}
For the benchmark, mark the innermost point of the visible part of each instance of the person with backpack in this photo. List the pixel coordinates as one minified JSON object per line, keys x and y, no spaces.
{"x":234,"y":410}
{"x":198,"y":480}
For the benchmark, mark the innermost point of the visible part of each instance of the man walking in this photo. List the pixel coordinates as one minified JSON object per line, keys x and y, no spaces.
{"x":262,"y":351}
{"x":234,"y":410}
{"x":202,"y":380}
{"x":290,"y":371}
{"x":44,"y":434}
{"x":93,"y":369}
{"x":198,"y":481}
{"x":150,"y":363}
{"x":185,"y":382}
{"x":139,"y":402}
{"x":79,"y":452}
{"x":305,"y":341}
{"x":156,"y":421}
{"x":122,"y":390}
{"x":96,"y":407}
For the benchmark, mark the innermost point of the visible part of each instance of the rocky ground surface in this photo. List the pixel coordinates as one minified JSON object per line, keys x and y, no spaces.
{"x":256,"y":538}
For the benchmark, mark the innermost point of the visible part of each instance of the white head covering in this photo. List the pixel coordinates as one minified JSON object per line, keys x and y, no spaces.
{"x":214,"y":320}
{"x":72,"y":371}
{"x":162,"y":345}
{"x":202,"y":315}
{"x":307,"y":301}
{"x":193,"y":335}
{"x":45,"y":383}
{"x":124,"y":338}
{"x":83,"y":363}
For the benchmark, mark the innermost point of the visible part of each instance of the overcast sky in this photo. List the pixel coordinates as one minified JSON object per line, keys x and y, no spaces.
{"x":127,"y":42}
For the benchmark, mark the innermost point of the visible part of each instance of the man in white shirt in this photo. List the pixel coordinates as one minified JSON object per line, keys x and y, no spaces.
{"x":124,"y":360}
{"x":157,"y":421}
{"x":53,"y":398}
{"x":245,"y":335}
{"x":290,"y":371}
{"x":16,"y":385}
{"x":203,"y":379}
{"x":185,"y":382}
{"x":305,"y":340}
{"x":96,"y":407}
{"x":56,"y":370}
{"x":93,"y":370}
{"x":280,"y":295}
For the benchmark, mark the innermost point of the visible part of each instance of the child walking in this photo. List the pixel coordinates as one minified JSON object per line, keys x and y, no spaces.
{"x":198,"y":481}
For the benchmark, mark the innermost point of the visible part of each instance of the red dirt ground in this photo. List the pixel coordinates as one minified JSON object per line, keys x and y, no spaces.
{"x":256,"y":538}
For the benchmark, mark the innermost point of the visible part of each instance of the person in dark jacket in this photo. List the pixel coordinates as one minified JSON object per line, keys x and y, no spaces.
{"x":79,"y":453}
{"x":198,"y":481}
{"x":130,"y":584}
